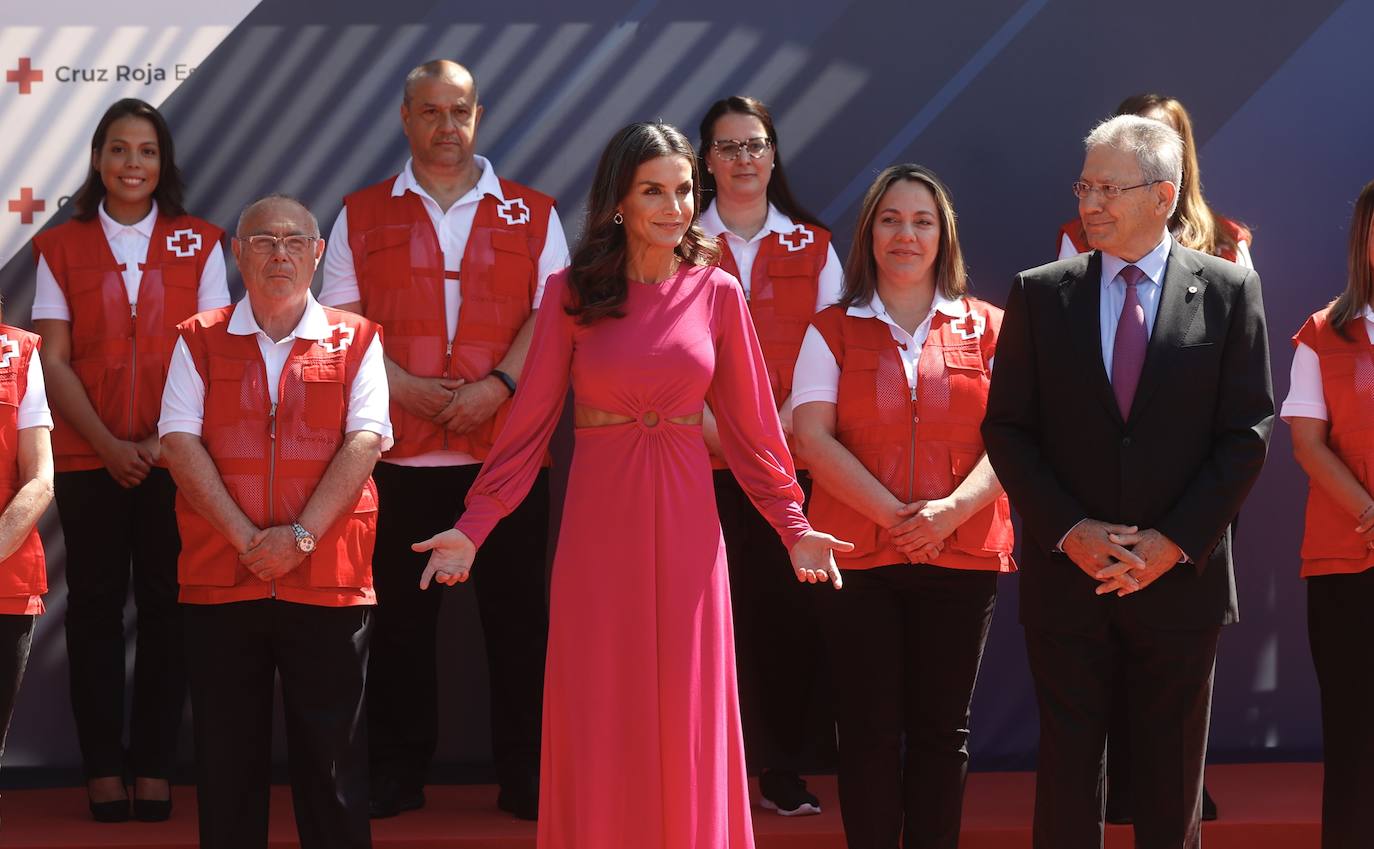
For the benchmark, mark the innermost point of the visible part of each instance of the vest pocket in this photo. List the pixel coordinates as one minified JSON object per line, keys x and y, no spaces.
{"x":513,"y":269}
{"x":324,"y":395}
{"x":343,"y":557}
{"x":386,"y":260}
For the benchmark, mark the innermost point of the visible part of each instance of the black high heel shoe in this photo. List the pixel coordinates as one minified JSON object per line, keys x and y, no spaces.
{"x":152,"y":810}
{"x":115,"y":810}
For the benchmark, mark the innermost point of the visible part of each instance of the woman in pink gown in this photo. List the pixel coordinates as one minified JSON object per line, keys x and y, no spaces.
{"x":642,"y":745}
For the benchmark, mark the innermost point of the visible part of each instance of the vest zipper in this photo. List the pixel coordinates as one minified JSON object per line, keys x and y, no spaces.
{"x":272,"y":473}
{"x":448,"y":362}
{"x":911,"y":455}
{"x":133,"y":376}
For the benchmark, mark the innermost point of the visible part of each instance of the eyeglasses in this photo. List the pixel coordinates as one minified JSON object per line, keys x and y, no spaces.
{"x":729,"y":149}
{"x":264,"y":244}
{"x":1082,"y":190}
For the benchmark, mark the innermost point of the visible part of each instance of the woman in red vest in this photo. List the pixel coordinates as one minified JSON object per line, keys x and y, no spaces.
{"x":890,"y":389}
{"x":112,"y":284}
{"x":1330,"y":407}
{"x":788,"y":269}
{"x":1194,"y":224}
{"x":26,"y":487}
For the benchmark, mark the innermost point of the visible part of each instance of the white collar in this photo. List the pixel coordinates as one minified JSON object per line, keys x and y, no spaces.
{"x":952,"y":307}
{"x":314,"y":325}
{"x":113,"y":228}
{"x":1368,"y":313}
{"x":1152,"y":263}
{"x":776,"y":222}
{"x":487,"y":183}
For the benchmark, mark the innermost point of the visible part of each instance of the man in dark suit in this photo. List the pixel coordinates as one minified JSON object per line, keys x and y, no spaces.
{"x":1128,"y":416}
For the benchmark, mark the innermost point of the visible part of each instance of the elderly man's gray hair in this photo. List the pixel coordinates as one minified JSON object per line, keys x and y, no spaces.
{"x":1157,"y":148}
{"x":277,"y":197}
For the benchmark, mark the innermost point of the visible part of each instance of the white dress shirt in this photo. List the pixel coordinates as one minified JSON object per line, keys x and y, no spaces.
{"x":1114,"y":294}
{"x":828,"y":286}
{"x":183,"y":397}
{"x":129,"y":244}
{"x":817,"y":375}
{"x":453,"y":227}
{"x":1306,"y":397}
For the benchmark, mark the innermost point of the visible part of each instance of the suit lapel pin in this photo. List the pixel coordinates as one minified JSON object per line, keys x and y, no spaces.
{"x":1192,"y":290}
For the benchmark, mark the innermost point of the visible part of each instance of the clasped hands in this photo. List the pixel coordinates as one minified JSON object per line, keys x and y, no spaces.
{"x":1123,"y":558}
{"x":271,"y":553}
{"x":923,"y":527}
{"x":451,"y":403}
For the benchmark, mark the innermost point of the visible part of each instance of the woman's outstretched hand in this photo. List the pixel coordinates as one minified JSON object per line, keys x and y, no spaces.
{"x":450,"y":557}
{"x":813,"y":558}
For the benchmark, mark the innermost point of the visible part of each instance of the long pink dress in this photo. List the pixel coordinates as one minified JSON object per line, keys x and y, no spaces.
{"x":642,"y":745}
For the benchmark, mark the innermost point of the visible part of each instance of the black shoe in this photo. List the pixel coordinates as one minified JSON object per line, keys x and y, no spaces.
{"x":786,"y":793}
{"x":520,"y":799}
{"x":1209,"y":806}
{"x":152,"y":810}
{"x":116,"y":810}
{"x":389,"y":798}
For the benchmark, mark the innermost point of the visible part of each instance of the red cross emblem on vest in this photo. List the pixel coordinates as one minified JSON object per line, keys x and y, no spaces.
{"x":970,"y":325}
{"x":9,"y":349}
{"x":339,"y":338}
{"x":184,"y":242}
{"x":797,"y":239}
{"x":513,"y":211}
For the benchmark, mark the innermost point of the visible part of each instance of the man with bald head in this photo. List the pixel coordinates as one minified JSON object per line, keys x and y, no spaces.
{"x":274,"y":413}
{"x":451,"y":260}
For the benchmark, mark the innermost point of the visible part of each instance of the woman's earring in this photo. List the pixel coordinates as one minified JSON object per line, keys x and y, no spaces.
{"x":619,"y":219}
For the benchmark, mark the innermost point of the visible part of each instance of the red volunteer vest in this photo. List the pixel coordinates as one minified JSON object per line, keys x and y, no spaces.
{"x":919,"y":449}
{"x":1329,"y":543}
{"x":23,"y":576}
{"x":400,"y":270}
{"x":271,"y":458}
{"x":120,"y":351}
{"x":1079,"y":239}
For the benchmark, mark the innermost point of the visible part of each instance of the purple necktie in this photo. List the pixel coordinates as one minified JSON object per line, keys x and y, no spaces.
{"x":1128,"y":351}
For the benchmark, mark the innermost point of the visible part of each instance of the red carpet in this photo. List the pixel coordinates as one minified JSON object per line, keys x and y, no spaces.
{"x":1263,"y":806}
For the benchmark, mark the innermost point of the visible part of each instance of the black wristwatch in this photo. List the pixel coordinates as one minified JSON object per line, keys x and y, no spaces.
{"x":504,"y":378}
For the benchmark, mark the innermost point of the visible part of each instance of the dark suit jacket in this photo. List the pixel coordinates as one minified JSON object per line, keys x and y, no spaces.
{"x":1183,"y":463}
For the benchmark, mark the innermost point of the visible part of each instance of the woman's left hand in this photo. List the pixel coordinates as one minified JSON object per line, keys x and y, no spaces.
{"x":926,"y":523}
{"x":813,"y":558}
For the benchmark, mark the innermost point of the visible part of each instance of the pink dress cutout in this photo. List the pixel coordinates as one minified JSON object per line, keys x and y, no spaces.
{"x":641,"y":743}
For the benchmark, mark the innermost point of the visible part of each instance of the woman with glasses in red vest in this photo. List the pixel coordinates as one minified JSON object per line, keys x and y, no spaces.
{"x":1196,"y":225}
{"x":1330,"y":407}
{"x":112,"y":284}
{"x":889,"y":392}
{"x":783,"y":258}
{"x":26,"y":490}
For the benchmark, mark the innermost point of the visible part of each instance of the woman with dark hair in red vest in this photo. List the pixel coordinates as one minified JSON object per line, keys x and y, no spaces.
{"x":26,"y":490}
{"x":112,"y":284}
{"x":783,"y":258}
{"x":890,"y":389}
{"x":1330,"y":407}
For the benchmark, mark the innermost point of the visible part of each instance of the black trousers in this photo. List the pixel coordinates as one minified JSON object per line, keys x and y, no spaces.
{"x":114,"y":534}
{"x":776,"y":620}
{"x":906,"y":643}
{"x":1167,"y":676}
{"x":1339,"y":629}
{"x":508,"y":577}
{"x":16,"y":636}
{"x":235,"y":650}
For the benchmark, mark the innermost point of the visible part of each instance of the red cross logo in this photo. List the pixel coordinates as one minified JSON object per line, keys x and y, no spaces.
{"x":25,"y":75}
{"x":184,"y":242}
{"x":970,"y":325}
{"x":514,"y":211}
{"x":797,"y":239}
{"x":26,"y":205}
{"x":9,"y":349}
{"x":339,"y":338}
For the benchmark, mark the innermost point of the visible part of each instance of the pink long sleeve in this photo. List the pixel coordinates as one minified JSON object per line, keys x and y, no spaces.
{"x":750,"y":434}
{"x":510,"y":469}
